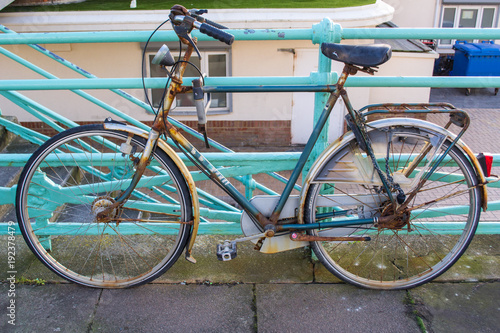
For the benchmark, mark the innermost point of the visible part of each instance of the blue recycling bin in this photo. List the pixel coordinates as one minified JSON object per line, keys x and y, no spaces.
{"x":476,"y":59}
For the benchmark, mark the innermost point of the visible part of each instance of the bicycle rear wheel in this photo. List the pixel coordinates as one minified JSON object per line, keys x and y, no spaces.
{"x":77,"y":174}
{"x":440,"y":220}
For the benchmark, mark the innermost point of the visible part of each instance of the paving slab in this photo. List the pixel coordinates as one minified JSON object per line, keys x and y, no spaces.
{"x":331,"y":308}
{"x":250,"y":266}
{"x":479,"y":97}
{"x":49,"y":308}
{"x":27,"y":266}
{"x":176,"y":308}
{"x":459,"y":307}
{"x":23,"y":257}
{"x":480,"y":262}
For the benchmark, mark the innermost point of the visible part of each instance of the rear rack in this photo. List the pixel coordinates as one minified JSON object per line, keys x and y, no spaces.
{"x":458,"y":117}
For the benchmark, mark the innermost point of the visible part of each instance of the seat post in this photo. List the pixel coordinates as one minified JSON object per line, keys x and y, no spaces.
{"x":348,"y":70}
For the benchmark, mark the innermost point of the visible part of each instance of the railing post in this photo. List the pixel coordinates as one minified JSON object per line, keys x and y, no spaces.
{"x":250,"y":186}
{"x":324,"y":32}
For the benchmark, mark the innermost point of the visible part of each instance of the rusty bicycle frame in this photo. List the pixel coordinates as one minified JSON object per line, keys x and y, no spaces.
{"x":270,"y":225}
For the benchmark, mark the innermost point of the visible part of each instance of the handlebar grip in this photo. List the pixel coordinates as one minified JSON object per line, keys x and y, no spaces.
{"x":216,"y":33}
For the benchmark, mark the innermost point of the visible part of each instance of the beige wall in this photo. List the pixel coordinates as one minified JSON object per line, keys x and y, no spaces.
{"x":404,"y":64}
{"x":103,"y":60}
{"x":248,"y":59}
{"x":414,"y":13}
{"x":262,"y":59}
{"x":124,"y":60}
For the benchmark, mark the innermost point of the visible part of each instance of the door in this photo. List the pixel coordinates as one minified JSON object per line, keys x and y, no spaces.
{"x":305,"y":62}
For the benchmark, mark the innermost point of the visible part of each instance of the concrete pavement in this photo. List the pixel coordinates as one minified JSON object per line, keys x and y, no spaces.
{"x":284,"y":292}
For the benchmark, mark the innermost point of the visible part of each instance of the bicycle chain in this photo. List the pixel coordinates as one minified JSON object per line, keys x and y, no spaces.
{"x":401,"y":194}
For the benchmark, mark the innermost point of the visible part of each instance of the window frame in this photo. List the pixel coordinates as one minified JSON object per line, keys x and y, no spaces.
{"x":205,"y":52}
{"x":458,"y":13}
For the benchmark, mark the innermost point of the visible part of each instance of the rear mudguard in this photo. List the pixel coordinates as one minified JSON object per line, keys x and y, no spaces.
{"x":384,"y":123}
{"x":185,"y":173}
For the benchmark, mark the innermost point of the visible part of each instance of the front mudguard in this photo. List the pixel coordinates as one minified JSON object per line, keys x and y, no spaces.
{"x":332,"y":149}
{"x":182,"y":167}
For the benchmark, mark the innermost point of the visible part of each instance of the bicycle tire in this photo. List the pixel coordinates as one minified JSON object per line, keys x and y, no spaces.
{"x":76,"y":174}
{"x":443,"y":215}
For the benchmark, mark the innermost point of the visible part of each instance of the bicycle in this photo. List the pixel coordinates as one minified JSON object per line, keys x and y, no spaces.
{"x":391,"y":204}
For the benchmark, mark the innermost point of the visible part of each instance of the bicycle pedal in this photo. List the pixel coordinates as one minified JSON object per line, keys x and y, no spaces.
{"x":226,"y":251}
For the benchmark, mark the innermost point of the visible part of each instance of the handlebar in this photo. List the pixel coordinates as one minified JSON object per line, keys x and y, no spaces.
{"x":216,"y":33}
{"x":183,"y":21}
{"x":206,"y":27}
{"x":196,"y":13}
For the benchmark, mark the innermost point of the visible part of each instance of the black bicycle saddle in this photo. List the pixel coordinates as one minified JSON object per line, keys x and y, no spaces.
{"x":359,"y":55}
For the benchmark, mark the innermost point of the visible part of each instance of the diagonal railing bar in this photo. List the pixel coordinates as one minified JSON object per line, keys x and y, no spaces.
{"x":117,"y":112}
{"x":37,"y":110}
{"x":29,"y":134}
{"x":120,"y":92}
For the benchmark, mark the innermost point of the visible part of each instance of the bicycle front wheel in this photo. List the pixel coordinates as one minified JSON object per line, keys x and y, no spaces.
{"x":77,"y":174}
{"x":414,"y":248}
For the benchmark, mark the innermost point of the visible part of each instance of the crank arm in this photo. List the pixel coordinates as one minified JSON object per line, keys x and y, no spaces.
{"x":244,"y":239}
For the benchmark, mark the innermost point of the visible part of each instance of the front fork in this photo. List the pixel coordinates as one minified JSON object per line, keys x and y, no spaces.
{"x":157,"y":128}
{"x":141,"y":165}
{"x":139,"y":171}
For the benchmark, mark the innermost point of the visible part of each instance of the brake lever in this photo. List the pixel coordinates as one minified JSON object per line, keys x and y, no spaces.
{"x":201,"y":110}
{"x":197,"y":12}
{"x":183,"y":31}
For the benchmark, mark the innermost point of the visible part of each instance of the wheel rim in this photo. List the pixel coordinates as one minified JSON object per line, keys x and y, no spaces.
{"x":417,"y":249}
{"x":60,"y":207}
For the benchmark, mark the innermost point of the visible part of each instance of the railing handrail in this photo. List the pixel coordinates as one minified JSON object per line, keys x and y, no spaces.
{"x":252,"y":34}
{"x":250,"y":84}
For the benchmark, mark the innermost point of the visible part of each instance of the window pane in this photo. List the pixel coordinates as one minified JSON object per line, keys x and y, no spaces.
{"x":181,"y":99}
{"x":218,"y":100}
{"x":487,"y":21}
{"x":468,"y":18}
{"x":190,"y":70}
{"x":448,"y":17}
{"x":217,"y":67}
{"x":156,"y":71}
{"x":448,"y":22}
{"x":187,"y":99}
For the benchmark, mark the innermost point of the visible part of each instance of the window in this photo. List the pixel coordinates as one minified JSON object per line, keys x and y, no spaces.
{"x":466,"y":17}
{"x":213,"y":63}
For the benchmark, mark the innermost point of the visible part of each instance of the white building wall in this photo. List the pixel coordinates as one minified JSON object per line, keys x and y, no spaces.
{"x":415,"y":13}
{"x":421,"y":65}
{"x":116,"y":60}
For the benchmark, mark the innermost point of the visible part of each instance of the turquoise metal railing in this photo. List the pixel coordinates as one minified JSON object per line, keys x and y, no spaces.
{"x":239,"y":165}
